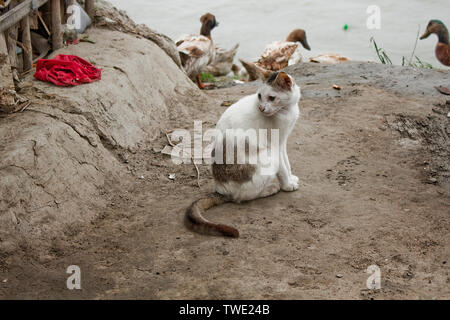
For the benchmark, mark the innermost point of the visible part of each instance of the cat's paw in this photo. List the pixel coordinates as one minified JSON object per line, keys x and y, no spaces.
{"x":290,"y":185}
{"x":294,"y":178}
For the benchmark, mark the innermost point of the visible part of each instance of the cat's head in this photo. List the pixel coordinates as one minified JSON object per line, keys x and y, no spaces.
{"x":277,"y":93}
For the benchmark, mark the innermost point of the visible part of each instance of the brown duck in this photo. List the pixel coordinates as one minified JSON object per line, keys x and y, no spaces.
{"x":442,"y":48}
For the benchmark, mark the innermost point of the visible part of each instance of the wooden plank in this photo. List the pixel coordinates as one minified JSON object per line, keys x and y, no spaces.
{"x":16,"y":14}
{"x":57,"y":36}
{"x":43,"y":23}
{"x":26,"y":44}
{"x":11,"y":42}
{"x":6,"y":78}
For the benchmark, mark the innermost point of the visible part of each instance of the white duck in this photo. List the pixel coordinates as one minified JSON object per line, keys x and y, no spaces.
{"x":197,"y":51}
{"x":329,"y":58}
{"x":280,"y":54}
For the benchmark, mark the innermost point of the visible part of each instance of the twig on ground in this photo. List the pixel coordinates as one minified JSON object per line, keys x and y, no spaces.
{"x":192,"y":159}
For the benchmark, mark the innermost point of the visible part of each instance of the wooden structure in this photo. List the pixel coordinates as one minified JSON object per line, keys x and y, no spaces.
{"x":18,"y":18}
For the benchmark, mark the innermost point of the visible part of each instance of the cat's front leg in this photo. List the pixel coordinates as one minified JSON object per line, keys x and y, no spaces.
{"x":285,"y":159}
{"x":288,"y":182}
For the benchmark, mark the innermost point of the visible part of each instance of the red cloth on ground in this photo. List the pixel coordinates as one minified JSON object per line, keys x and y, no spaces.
{"x":66,"y":70}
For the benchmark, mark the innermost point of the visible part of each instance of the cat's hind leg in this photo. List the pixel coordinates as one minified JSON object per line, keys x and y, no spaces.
{"x":259,"y":187}
{"x":271,"y":187}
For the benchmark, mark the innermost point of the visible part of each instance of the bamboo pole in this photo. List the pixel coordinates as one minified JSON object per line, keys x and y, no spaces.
{"x":11,"y":43}
{"x":57,"y":38}
{"x":6,"y":77}
{"x":89,"y":8}
{"x":26,"y":42}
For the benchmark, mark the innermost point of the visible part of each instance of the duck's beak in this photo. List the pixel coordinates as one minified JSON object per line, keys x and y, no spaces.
{"x":306,"y":45}
{"x":425,"y":35}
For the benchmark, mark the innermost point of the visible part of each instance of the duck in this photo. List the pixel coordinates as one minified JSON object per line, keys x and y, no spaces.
{"x":442,"y":50}
{"x":197,"y":51}
{"x":222,"y":64}
{"x":280,"y":54}
{"x":329,"y":58}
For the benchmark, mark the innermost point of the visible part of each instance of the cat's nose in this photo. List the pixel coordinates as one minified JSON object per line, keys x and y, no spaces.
{"x":261,"y":108}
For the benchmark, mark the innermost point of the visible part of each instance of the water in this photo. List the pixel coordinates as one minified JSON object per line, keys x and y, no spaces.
{"x":254,"y":23}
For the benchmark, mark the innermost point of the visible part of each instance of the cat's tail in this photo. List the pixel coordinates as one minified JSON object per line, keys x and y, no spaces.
{"x":252,"y":70}
{"x":198,"y":223}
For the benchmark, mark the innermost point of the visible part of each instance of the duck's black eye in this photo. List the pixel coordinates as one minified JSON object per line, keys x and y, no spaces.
{"x":259,"y":96}
{"x":271,"y":98}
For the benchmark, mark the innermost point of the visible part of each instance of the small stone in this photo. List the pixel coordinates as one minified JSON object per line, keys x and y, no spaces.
{"x":339,"y":275}
{"x":5,"y":280}
{"x":141,"y":177}
{"x":171,"y":177}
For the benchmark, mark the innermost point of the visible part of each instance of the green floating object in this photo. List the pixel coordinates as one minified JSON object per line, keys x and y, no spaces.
{"x":345,"y":26}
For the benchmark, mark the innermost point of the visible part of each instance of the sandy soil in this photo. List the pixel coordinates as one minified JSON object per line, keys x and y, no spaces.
{"x":373,"y":163}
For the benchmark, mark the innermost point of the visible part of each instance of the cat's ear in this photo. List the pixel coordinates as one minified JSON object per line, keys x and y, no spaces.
{"x":265,"y":74}
{"x":283,"y":81}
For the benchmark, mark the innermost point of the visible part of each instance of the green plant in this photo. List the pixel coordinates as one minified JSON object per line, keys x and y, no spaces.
{"x":420,"y":64}
{"x":382,"y":55}
{"x":207,"y":77}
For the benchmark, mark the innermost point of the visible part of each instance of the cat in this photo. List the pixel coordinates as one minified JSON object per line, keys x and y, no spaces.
{"x":274,"y":106}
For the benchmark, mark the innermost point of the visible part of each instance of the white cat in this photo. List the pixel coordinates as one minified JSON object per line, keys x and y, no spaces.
{"x":274,"y":106}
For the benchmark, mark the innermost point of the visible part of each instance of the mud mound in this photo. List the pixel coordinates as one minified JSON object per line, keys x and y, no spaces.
{"x":109,"y":17}
{"x":59,"y":153}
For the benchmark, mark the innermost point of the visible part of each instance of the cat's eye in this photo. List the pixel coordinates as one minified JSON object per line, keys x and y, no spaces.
{"x":259,"y":96}
{"x":271,"y":98}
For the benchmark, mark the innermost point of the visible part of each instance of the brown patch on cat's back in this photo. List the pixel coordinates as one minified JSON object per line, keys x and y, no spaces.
{"x":223,"y":172}
{"x":233,"y":172}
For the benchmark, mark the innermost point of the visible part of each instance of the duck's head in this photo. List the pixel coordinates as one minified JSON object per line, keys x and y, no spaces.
{"x":298,"y":35}
{"x":209,"y":22}
{"x":437,"y":27}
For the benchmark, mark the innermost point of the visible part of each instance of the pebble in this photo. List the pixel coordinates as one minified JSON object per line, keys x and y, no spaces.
{"x":171,"y":177}
{"x":339,"y":275}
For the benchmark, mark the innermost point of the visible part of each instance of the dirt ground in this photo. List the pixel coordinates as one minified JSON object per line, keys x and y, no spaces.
{"x":373,"y":161}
